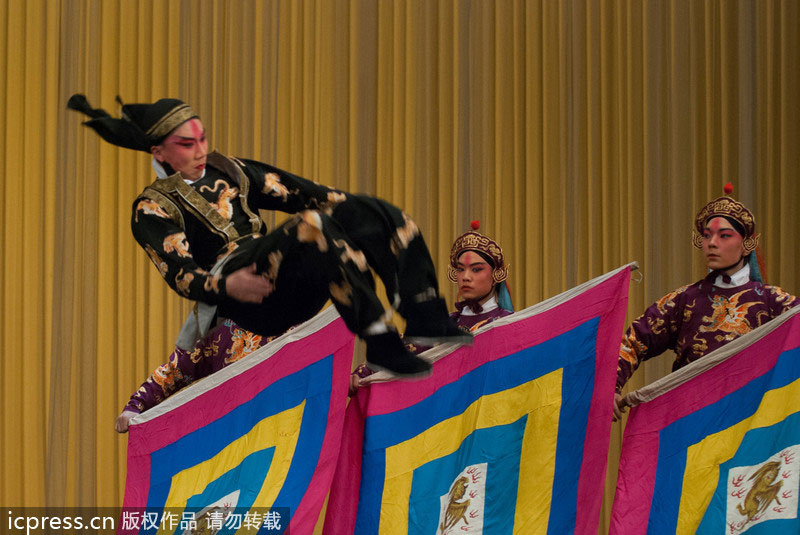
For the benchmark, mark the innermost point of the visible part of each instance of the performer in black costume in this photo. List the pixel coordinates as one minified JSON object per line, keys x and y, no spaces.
{"x":199,"y":224}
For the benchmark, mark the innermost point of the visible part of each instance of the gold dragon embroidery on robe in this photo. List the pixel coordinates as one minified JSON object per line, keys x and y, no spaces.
{"x":224,"y":204}
{"x":728,"y":316}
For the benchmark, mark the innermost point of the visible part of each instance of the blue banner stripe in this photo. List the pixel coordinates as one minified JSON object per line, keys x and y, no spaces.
{"x":757,"y":446}
{"x":312,"y":383}
{"x":676,"y":438}
{"x":309,"y":443}
{"x":573,"y":351}
{"x":500,"y":448}
{"x":450,"y":400}
{"x":576,"y":397}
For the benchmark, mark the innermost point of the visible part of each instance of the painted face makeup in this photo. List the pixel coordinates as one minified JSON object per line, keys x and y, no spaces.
{"x":474,"y":276}
{"x":185,"y":149}
{"x":722,"y":245}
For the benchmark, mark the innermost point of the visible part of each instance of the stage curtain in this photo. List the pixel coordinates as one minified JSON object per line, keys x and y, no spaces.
{"x":583,"y":135}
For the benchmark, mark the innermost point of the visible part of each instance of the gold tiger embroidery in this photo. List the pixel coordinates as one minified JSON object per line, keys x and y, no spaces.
{"x":354,"y":255}
{"x":178,"y":243}
{"x":182,"y":282}
{"x":149,"y":207}
{"x":336,"y":197}
{"x":229,"y":248}
{"x":403,"y":235}
{"x":223,"y":205}
{"x":274,"y":187}
{"x":161,"y":266}
{"x":309,"y":230}
{"x":166,"y":376}
{"x":212,"y":284}
{"x":341,"y":292}
{"x":275,"y":258}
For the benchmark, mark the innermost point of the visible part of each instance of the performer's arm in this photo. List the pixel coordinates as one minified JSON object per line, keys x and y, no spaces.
{"x":182,"y":368}
{"x":275,"y":189}
{"x":649,"y":335}
{"x":780,"y":301}
{"x":165,"y":243}
{"x":224,"y":345}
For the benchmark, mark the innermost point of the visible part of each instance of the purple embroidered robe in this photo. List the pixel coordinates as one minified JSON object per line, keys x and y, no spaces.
{"x":225,"y":344}
{"x":473,"y":322}
{"x":697,"y":319}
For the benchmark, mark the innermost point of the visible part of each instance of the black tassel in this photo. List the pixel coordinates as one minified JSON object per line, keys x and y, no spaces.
{"x":79,"y":103}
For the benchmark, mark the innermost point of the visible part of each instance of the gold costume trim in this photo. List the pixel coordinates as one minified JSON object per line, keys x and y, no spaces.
{"x":728,"y":207}
{"x":165,"y":202}
{"x":203,"y":210}
{"x":475,"y":241}
{"x":172,"y":120}
{"x":233,"y":168}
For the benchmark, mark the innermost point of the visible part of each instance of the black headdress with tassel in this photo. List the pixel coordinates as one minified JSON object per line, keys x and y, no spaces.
{"x":141,"y":125}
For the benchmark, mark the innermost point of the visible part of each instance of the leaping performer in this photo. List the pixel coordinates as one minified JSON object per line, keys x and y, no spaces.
{"x":199,"y":224}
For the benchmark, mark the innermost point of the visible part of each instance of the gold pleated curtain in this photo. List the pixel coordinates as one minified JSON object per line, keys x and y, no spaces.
{"x":583,"y":135}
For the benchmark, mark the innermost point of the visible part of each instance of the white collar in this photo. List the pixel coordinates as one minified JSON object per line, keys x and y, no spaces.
{"x":159,"y":169}
{"x":737,"y":279}
{"x":161,"y":173}
{"x":488,"y":306}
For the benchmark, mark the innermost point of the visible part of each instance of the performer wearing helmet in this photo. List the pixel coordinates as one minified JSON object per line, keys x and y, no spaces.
{"x":730,"y":301}
{"x":477,"y":265}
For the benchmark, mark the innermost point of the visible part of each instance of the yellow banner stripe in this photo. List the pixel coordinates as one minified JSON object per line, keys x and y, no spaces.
{"x":704,"y":458}
{"x":280,"y":430}
{"x":540,"y":399}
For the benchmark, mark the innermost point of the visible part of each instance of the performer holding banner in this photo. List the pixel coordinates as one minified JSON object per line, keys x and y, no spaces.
{"x":730,"y":301}
{"x":222,"y":346}
{"x":198,"y":223}
{"x":476,"y":264}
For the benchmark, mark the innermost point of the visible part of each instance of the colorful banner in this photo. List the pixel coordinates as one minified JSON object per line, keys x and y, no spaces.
{"x":715,"y":446}
{"x":507,"y":436}
{"x":259,"y":438}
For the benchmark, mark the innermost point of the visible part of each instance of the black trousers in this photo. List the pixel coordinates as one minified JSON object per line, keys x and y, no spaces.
{"x":315,"y":256}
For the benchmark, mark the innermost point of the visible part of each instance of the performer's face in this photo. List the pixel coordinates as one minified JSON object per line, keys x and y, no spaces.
{"x":474,"y":276}
{"x":185,"y":149}
{"x":722,"y":244}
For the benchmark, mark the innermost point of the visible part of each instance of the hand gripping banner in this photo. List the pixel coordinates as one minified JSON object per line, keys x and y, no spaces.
{"x":715,"y":446}
{"x":255,"y":442}
{"x":507,"y":436}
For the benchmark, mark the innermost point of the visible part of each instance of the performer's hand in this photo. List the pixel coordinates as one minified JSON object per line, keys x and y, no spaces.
{"x":121,"y":423}
{"x":355,"y":382}
{"x":247,"y":286}
{"x":620,"y":406}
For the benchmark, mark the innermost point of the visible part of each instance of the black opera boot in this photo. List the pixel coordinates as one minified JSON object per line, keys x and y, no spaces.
{"x":428,"y":324}
{"x":386,"y":351}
